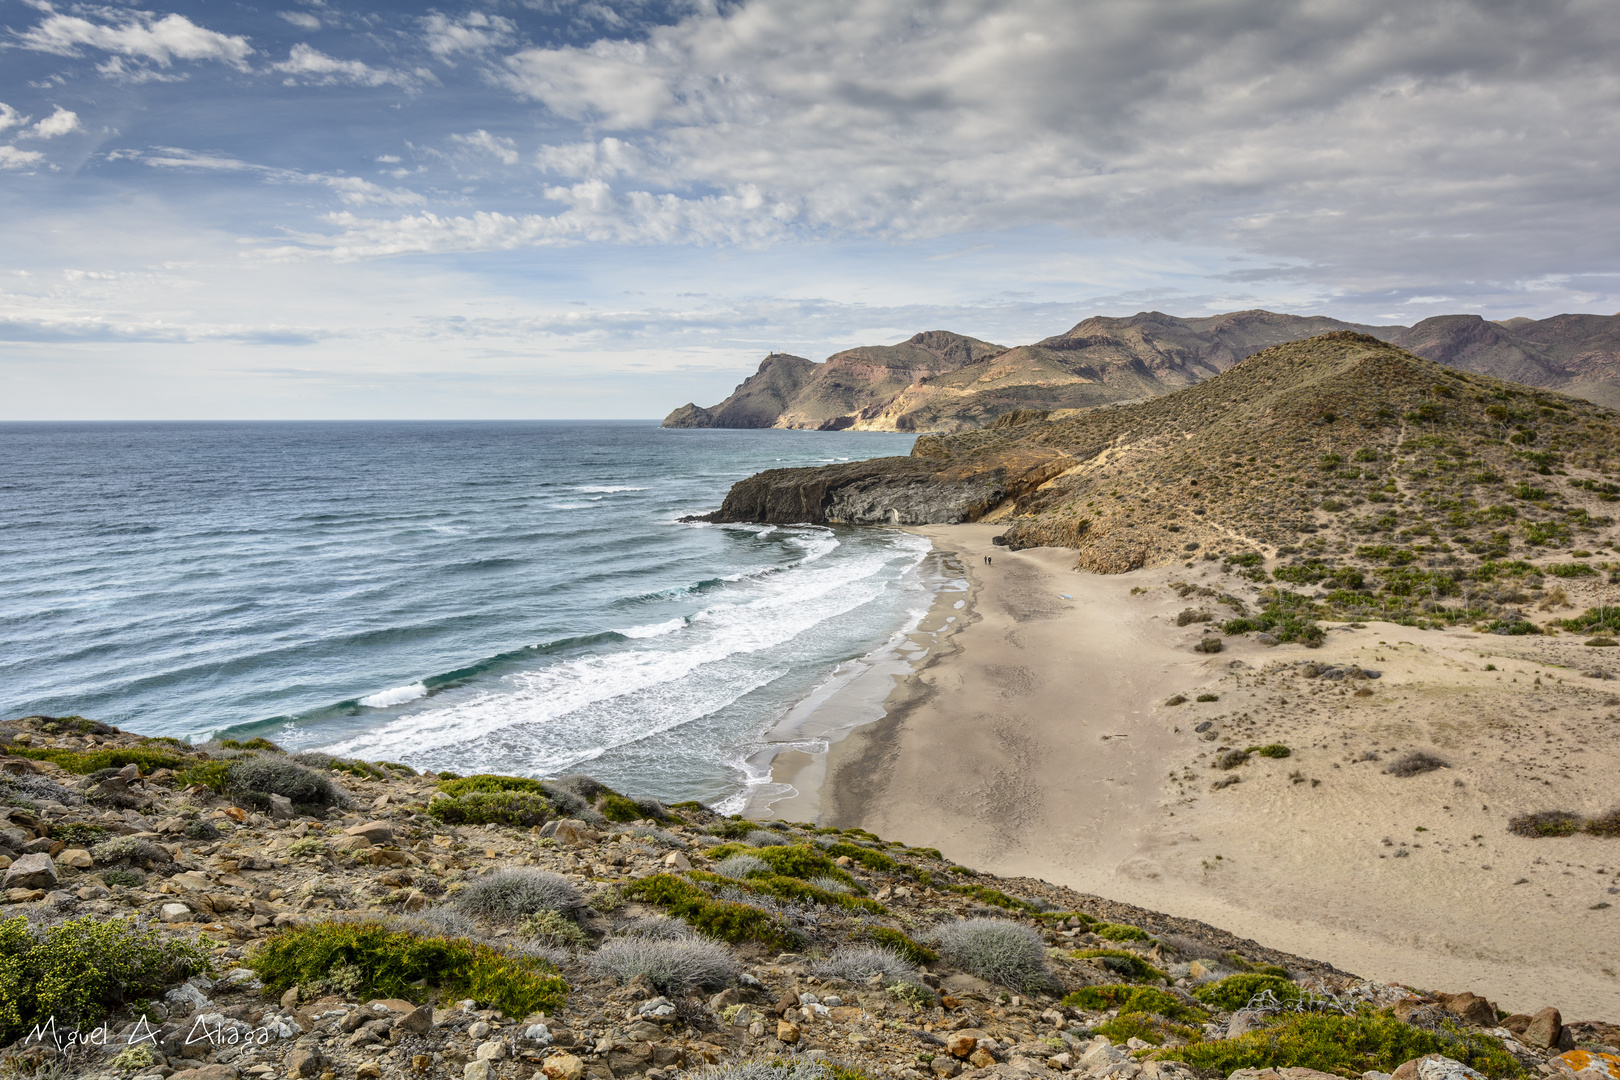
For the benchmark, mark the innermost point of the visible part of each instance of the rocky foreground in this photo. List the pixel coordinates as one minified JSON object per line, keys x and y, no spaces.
{"x":626,"y":938}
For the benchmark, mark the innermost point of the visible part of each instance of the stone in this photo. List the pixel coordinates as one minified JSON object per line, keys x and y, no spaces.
{"x":373,"y":832}
{"x":571,"y":833}
{"x":563,"y":1067}
{"x":944,"y":1066}
{"x":725,"y":999}
{"x":24,"y":896}
{"x":281,"y":807}
{"x":1470,"y":1007}
{"x":418,"y":1021}
{"x":1268,"y":640}
{"x":538,"y":1033}
{"x":1589,"y":1064}
{"x":643,"y":1031}
{"x":981,"y":1058}
{"x":676,"y":861}
{"x":35,"y":871}
{"x":304,"y":1063}
{"x":1544,"y":1029}
{"x":1244,"y":1021}
{"x":289,"y":1000}
{"x":78,"y":858}
{"x":493,"y":1050}
{"x":190,"y":880}
{"x":962,"y":1043}
{"x":213,"y":1072}
{"x":1439,"y":1067}
{"x":1195,"y":970}
{"x":479,"y":1069}
{"x":369,"y":1071}
{"x":479,"y":1030}
{"x":174,"y":913}
{"x":787,"y":1032}
{"x":188,"y":995}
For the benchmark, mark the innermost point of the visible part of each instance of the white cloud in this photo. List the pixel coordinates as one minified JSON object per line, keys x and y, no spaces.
{"x":474,"y":34}
{"x":322,"y":70}
{"x":1335,"y":131}
{"x":351,"y":190}
{"x":13,"y":158}
{"x":60,"y":122}
{"x":302,"y":20}
{"x":495,"y":146}
{"x":9,"y":117}
{"x":606,"y":158}
{"x":139,"y":35}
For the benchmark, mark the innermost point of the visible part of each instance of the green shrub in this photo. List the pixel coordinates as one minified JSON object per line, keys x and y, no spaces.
{"x":996,"y":950}
{"x":787,"y":888}
{"x":616,"y":807}
{"x":732,"y":828}
{"x":128,"y":849}
{"x":1604,"y":824}
{"x":927,"y":853}
{"x":518,"y":809}
{"x":1274,"y":750}
{"x":988,"y":895}
{"x":1133,"y":999}
{"x":306,"y":845}
{"x":1546,"y":823}
{"x":1347,"y":1046}
{"x":718,"y":918}
{"x":909,"y":950}
{"x":1149,"y":1027}
{"x":254,"y":743}
{"x":1121,"y":932}
{"x":80,"y":970}
{"x":673,"y":965}
{"x":84,"y":764}
{"x":129,"y":879}
{"x":486,"y":782}
{"x":1234,"y":991}
{"x":872,"y":860}
{"x":210,"y":774}
{"x":790,"y":860}
{"x":1122,"y":963}
{"x":199,"y":829}
{"x":255,"y":779}
{"x":78,"y":834}
{"x":556,"y":928}
{"x":381,"y":963}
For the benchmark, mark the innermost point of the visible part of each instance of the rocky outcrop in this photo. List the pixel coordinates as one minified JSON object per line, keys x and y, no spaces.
{"x":757,"y":403}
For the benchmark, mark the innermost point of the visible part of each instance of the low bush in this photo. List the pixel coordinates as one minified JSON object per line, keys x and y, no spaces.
{"x":832,"y":885}
{"x":794,"y":890}
{"x":208,"y":774}
{"x":740,"y":866}
{"x":1604,"y":824}
{"x":1208,"y":697}
{"x":78,"y":834}
{"x":488,"y":783}
{"x":616,"y":807}
{"x":128,"y":878}
{"x":129,"y":851}
{"x":909,"y":950}
{"x":1274,"y":750}
{"x":731,"y":828}
{"x":1346,"y":1045}
{"x":720,"y":919}
{"x":872,"y":860}
{"x":199,"y":829}
{"x":254,"y":779}
{"x":1121,"y":932}
{"x":373,"y":961}
{"x":1235,"y":991}
{"x":789,"y":860}
{"x":1122,"y":963}
{"x":1231,"y":759}
{"x":1209,"y":645}
{"x":985,"y":894}
{"x":857,"y":963}
{"x":1133,"y":999}
{"x":652,"y":834}
{"x":255,"y":743}
{"x":1415,"y":764}
{"x":1147,"y":1026}
{"x":657,"y":926}
{"x":674,"y":965}
{"x":509,"y":895}
{"x":83,"y":764}
{"x":996,"y":950}
{"x":1546,"y":823}
{"x":554,"y":928}
{"x":516,"y":809}
{"x":80,"y":970}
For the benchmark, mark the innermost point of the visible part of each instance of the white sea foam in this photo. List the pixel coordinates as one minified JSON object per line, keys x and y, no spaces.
{"x":398,"y":695}
{"x":554,"y":717}
{"x":607,"y":489}
{"x":654,"y":629}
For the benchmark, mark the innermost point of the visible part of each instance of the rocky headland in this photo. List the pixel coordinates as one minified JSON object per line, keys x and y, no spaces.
{"x":944,"y":382}
{"x":227,"y":911}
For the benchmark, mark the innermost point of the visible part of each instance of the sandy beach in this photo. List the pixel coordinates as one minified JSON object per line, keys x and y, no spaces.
{"x":1034,"y":738}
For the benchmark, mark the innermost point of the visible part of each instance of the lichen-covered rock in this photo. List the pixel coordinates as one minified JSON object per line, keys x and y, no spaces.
{"x":1588,"y":1064}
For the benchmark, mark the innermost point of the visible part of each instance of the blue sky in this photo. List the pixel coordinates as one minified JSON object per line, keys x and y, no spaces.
{"x":533,"y":208}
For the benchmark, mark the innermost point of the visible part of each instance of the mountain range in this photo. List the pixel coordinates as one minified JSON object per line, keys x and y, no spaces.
{"x":939,"y":381}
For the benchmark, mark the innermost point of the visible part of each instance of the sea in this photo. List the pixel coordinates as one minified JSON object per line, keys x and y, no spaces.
{"x":515,"y":597}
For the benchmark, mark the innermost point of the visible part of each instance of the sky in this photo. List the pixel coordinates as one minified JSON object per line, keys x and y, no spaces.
{"x":550,"y":209}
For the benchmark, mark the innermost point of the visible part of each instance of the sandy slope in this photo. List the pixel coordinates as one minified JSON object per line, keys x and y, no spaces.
{"x":1041,"y":744}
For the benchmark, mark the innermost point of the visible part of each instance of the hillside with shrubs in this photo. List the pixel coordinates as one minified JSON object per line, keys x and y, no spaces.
{"x":232,"y":911}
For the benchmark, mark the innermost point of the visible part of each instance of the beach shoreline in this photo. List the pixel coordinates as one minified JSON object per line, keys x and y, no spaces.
{"x":1041,"y":743}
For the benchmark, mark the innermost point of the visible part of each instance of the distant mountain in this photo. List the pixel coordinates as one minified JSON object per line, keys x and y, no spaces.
{"x":944,"y":382}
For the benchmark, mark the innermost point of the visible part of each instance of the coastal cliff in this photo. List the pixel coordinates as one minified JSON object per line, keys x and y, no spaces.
{"x":1341,"y":440}
{"x":944,"y":382}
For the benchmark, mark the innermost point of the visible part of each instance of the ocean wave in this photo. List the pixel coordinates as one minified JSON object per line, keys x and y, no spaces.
{"x":655,"y":629}
{"x":607,"y":489}
{"x":398,"y":695}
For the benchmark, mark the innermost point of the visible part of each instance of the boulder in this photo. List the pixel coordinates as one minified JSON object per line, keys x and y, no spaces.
{"x":787,"y":1031}
{"x":374,"y":832}
{"x":213,"y":1072}
{"x":493,"y":1050}
{"x":418,"y":1021}
{"x":1544,"y":1029}
{"x":1470,"y":1007}
{"x":78,"y":858}
{"x":304,"y":1063}
{"x":174,"y":913}
{"x":31,"y":872}
{"x":676,"y":861}
{"x":571,"y":833}
{"x":962,"y":1043}
{"x":281,"y":807}
{"x":563,"y":1067}
{"x":479,"y":1069}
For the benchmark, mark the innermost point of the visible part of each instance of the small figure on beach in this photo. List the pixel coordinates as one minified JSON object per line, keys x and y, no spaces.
{"x":987,"y":560}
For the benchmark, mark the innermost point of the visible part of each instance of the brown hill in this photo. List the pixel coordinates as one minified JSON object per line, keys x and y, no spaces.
{"x":1331,"y":447}
{"x":942,"y":382}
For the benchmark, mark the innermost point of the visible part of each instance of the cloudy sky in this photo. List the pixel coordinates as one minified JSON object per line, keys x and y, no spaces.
{"x":545,"y":208}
